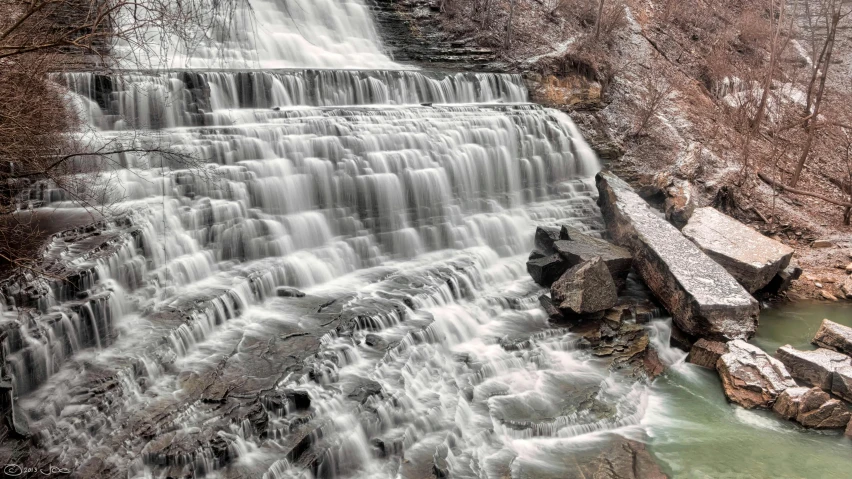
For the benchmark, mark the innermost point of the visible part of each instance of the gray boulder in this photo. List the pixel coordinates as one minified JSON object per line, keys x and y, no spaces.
{"x":750,"y":377}
{"x":706,"y":353}
{"x":841,"y":383}
{"x":812,"y":408}
{"x":815,"y":368}
{"x":547,"y":269}
{"x":703,"y":298}
{"x":585,"y":288}
{"x":577,"y":247}
{"x":834,"y":336}
{"x":750,"y":257}
{"x":544,"y":238}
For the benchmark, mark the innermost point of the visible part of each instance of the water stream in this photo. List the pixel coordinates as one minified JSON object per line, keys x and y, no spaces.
{"x":403,"y":204}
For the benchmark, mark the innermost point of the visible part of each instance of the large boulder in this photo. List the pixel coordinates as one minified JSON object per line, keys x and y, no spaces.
{"x":547,"y":269}
{"x":834,"y":336}
{"x":812,"y":408}
{"x":703,"y":298}
{"x":841,"y":383}
{"x":585,"y":288}
{"x":706,"y":353}
{"x":750,"y":377}
{"x":813,"y":367}
{"x":750,"y":257}
{"x":577,"y":247}
{"x":544,"y":238}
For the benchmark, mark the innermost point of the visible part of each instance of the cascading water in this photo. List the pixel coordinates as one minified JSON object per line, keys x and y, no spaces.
{"x":402,"y":202}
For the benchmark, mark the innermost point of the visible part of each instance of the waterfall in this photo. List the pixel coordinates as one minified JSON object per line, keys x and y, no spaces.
{"x":401,"y":202}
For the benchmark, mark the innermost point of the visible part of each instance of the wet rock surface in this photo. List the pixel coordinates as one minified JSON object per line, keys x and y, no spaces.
{"x":815,"y":368}
{"x":834,"y":336}
{"x":547,"y":269}
{"x":750,"y":257}
{"x":706,"y":353}
{"x":585,"y":288}
{"x":841,"y":383}
{"x":750,"y":377}
{"x":614,"y":458}
{"x":703,"y":298}
{"x":577,"y":247}
{"x":812,"y":408}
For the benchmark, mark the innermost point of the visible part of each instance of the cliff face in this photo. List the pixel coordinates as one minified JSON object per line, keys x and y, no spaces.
{"x":412,"y":32}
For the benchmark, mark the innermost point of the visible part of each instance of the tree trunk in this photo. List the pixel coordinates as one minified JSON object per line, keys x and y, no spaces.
{"x":509,"y":24}
{"x":832,"y":33}
{"x":598,"y":22}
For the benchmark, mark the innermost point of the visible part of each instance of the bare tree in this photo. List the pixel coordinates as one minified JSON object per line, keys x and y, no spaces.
{"x":812,"y":110}
{"x":41,"y":150}
{"x":778,"y":41}
{"x":656,"y":92}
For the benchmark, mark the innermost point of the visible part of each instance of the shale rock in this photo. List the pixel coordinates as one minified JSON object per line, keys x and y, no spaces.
{"x":788,"y":402}
{"x":552,"y":311}
{"x":750,"y":377}
{"x":706,"y":353}
{"x":585,"y":288}
{"x":577,"y":247}
{"x":813,"y":367}
{"x":703,"y":298}
{"x":545,"y":236}
{"x":812,"y":408}
{"x":750,"y":257}
{"x":834,"y":336}
{"x":547,"y":269}
{"x":287,"y":292}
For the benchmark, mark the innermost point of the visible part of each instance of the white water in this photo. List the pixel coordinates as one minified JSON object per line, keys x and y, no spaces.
{"x":266,"y":34}
{"x":418,"y":218}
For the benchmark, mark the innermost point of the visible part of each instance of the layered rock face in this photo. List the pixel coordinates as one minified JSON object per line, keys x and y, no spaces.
{"x":750,"y":377}
{"x":816,"y":368}
{"x":703,"y":298}
{"x":812,"y":408}
{"x":834,"y":336}
{"x":706,"y":353}
{"x":750,"y":257}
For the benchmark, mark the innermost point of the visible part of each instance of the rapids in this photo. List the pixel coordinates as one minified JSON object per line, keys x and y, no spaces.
{"x":291,"y":152}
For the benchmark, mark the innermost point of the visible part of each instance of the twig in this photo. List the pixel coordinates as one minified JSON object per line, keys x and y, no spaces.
{"x":788,"y":189}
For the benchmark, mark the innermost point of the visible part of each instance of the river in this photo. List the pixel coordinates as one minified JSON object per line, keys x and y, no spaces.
{"x":402,"y":204}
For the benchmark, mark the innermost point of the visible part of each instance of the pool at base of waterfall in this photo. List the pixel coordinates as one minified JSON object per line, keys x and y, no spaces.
{"x":695,"y":433}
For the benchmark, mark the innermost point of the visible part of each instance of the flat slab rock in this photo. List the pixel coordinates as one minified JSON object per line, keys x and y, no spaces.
{"x":834,"y":336}
{"x":816,"y":368}
{"x":813,"y":408}
{"x":750,"y":377}
{"x":703,"y":298}
{"x":750,"y":257}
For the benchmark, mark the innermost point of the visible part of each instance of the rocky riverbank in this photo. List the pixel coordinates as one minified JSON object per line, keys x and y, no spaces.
{"x":704,"y":275}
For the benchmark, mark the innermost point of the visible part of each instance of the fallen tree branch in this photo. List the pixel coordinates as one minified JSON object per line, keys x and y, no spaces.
{"x":788,"y":189}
